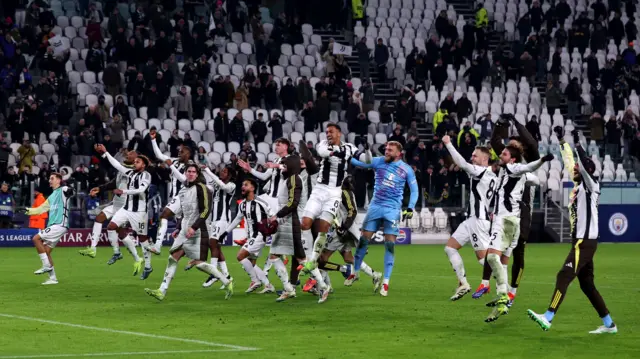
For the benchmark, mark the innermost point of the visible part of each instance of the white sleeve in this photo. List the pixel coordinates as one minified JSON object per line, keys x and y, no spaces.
{"x":262,"y":175}
{"x":142,"y":186}
{"x":117,"y":165}
{"x":323,"y":149}
{"x":157,"y":152}
{"x":176,"y":173}
{"x":520,"y":169}
{"x":226,"y":187}
{"x":457,"y":158}
{"x":532,"y":179}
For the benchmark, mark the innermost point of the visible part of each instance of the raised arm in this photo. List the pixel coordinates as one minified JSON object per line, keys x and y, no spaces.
{"x":111,"y":185}
{"x":262,"y":175}
{"x":309,"y":161}
{"x":360,"y":164}
{"x":567,"y":158}
{"x":204,"y":207}
{"x":496,"y":139}
{"x":176,"y":173}
{"x":589,"y":181}
{"x":143,"y":185}
{"x":528,"y":142}
{"x":117,"y":165}
{"x":226,"y":187}
{"x":157,"y":152}
{"x":532,"y":180}
{"x":520,"y":168}
{"x":461,"y":162}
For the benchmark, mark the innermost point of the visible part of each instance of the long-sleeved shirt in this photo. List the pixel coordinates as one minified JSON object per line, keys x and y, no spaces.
{"x":390,"y":180}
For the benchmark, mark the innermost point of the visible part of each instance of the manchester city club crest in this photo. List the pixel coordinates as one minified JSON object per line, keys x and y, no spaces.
{"x":618,"y":224}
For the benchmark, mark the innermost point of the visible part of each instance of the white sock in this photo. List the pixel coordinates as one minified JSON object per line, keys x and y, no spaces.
{"x":282,"y":273}
{"x":212,"y":270}
{"x":481,"y":261}
{"x":214,"y":261}
{"x":456,"y":263}
{"x":131,"y":247}
{"x":248,"y":267}
{"x":364,"y":267}
{"x":162,"y":230}
{"x":325,"y":277}
{"x":223,"y":268}
{"x":385,"y":281}
{"x":52,"y":274}
{"x":485,"y":283}
{"x":95,"y":234}
{"x":172,"y":265}
{"x":261,"y":275}
{"x":318,"y":277}
{"x":499,"y":272}
{"x":44,"y":259}
{"x":267,"y":267}
{"x":318,"y":246}
{"x":147,"y":257}
{"x":513,"y":290}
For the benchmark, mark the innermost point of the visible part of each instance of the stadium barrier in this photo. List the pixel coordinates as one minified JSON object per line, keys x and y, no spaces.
{"x":618,"y":206}
{"x":81,"y":237}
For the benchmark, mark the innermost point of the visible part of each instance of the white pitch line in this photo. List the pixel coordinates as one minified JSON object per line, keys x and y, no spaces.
{"x":113,"y":354}
{"x":154,"y":336}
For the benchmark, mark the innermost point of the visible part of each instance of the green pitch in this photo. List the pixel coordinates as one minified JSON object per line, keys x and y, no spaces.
{"x":95,"y":307}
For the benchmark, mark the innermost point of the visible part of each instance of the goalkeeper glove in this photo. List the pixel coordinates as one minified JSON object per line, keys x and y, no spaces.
{"x":576,"y":137}
{"x":547,"y":158}
{"x":407,"y":214}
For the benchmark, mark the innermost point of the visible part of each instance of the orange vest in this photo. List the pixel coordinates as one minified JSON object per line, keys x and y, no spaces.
{"x":38,"y":221}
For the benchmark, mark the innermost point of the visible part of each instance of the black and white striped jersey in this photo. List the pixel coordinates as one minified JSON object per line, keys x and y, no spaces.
{"x":333,"y":169}
{"x":512,"y":181}
{"x":138,"y":183}
{"x":222,"y":196}
{"x":584,"y":204}
{"x":275,"y":178}
{"x":176,"y":184}
{"x":253,"y":212}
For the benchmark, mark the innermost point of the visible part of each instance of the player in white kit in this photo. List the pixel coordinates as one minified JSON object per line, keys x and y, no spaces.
{"x":505,"y":228}
{"x":191,"y":237}
{"x":119,"y":182}
{"x":179,"y":164}
{"x":475,"y":229}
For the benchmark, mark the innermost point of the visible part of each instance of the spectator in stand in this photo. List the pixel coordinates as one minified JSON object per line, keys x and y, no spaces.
{"x":174,"y":143}
{"x":242,"y":97}
{"x":276,"y":126}
{"x":259,"y":129}
{"x":635,"y":153}
{"x":236,"y":128}
{"x":199,"y":103}
{"x":117,"y":130}
{"x":182,"y":104}
{"x":309,"y":114}
{"x":27,"y":154}
{"x":448,"y":104}
{"x":629,"y":127}
{"x":288,"y":96}
{"x":403,"y":114}
{"x":534,"y":128}
{"x":86,"y":141}
{"x":248,"y":153}
{"x":221,"y":126}
{"x":304,"y":92}
{"x":201,"y":157}
{"x":65,"y":143}
{"x":17,"y":124}
{"x":467,"y":145}
{"x":398,"y":137}
{"x":271,"y":94}
{"x":467,"y":129}
{"x":381,"y":56}
{"x":191,"y":144}
{"x":322,"y":108}
{"x":572,"y":93}
{"x":363,"y":58}
{"x":554,"y":98}
{"x":102,"y":109}
{"x":361,"y":129}
{"x":613,"y":133}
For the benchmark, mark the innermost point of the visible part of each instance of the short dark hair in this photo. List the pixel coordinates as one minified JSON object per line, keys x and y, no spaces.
{"x":58,"y":175}
{"x":284,"y":141}
{"x":253,"y":183}
{"x":484,"y":150}
{"x":334,"y":126}
{"x":192,"y":165}
{"x":515,"y":152}
{"x":144,"y":159}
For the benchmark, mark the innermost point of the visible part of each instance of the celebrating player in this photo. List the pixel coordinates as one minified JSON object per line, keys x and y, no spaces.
{"x":135,"y":211}
{"x":179,"y":164}
{"x":505,"y":227}
{"x":254,"y":211}
{"x":192,"y":232}
{"x":326,"y":196}
{"x":386,"y":206}
{"x":58,"y":224}
{"x":119,"y":182}
{"x":583,"y":211}
{"x":474,"y":229}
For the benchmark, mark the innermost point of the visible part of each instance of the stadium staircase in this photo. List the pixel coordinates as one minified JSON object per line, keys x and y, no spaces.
{"x":555,"y":221}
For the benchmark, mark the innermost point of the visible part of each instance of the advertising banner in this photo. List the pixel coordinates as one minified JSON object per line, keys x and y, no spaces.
{"x":618,"y":223}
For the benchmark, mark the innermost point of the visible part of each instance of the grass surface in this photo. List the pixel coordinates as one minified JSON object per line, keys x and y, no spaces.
{"x":416,"y":320}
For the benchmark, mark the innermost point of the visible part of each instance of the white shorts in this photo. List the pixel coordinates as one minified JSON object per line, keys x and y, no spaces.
{"x":475,"y":230}
{"x":323,"y":203}
{"x":108,"y":211}
{"x":137,"y":220}
{"x":336,"y":244}
{"x":174,"y":206}
{"x":216,"y":228}
{"x":505,"y":232}
{"x":271,"y":201}
{"x":52,"y":235}
{"x":191,"y":246}
{"x":254,"y":246}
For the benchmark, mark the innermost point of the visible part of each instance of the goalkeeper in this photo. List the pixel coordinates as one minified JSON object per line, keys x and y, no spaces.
{"x":385,"y":209}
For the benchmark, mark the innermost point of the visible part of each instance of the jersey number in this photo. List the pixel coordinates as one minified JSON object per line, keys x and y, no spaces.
{"x":491,"y":191}
{"x":141,"y":226}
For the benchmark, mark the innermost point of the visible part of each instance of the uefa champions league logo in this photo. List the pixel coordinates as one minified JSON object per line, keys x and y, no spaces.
{"x":618,"y":224}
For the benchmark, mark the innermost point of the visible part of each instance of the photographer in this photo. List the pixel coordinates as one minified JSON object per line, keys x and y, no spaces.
{"x":7,"y":205}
